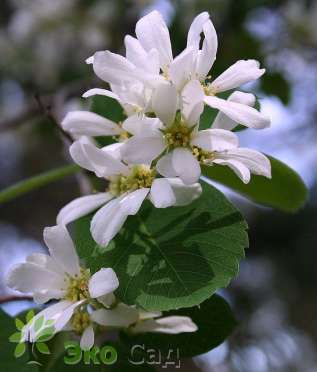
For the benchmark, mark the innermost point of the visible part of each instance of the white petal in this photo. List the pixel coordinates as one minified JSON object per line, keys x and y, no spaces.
{"x":142,"y":125}
{"x":140,"y":58}
{"x":45,"y":261}
{"x":121,"y":316}
{"x":79,"y":155}
{"x":192,"y":102}
{"x":182,"y":68}
{"x":143,"y":149}
{"x":87,"y":339}
{"x":239,"y":168}
{"x":165,"y":166}
{"x":207,"y":55}
{"x":52,"y":312}
{"x":162,"y":195}
{"x":195,"y":30}
{"x":81,"y":207}
{"x":107,"y":222}
{"x":104,"y":163}
{"x":29,"y":277}
{"x":90,"y":60}
{"x":131,"y":203}
{"x":100,"y":92}
{"x":223,"y":121}
{"x":86,"y":123}
{"x":240,"y":113}
{"x":144,"y":315}
{"x":170,"y":325}
{"x":240,"y":73}
{"x":113,"y":68}
{"x":103,"y":282}
{"x":184,"y":194}
{"x":186,"y":165}
{"x":114,"y":150}
{"x":153,"y":33}
{"x":215,"y":140}
{"x":46,"y":295}
{"x":256,"y":162}
{"x":61,"y":248}
{"x":65,"y":316}
{"x":107,"y":300}
{"x":164,"y":102}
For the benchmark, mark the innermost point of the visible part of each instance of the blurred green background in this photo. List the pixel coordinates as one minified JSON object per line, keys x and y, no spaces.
{"x":43,"y":46}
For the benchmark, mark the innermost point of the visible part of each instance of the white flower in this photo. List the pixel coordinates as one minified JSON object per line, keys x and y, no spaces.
{"x":179,"y":147}
{"x":154,"y":322}
{"x":129,"y":186}
{"x":149,"y":61}
{"x":139,"y":321}
{"x":59,"y":276}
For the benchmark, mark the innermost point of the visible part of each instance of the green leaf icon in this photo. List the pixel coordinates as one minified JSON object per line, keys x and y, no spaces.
{"x":46,"y":334}
{"x":30,"y":316}
{"x":42,"y":348}
{"x":15,"y":337}
{"x":19,"y":324}
{"x":19,"y":350}
{"x":39,"y":323}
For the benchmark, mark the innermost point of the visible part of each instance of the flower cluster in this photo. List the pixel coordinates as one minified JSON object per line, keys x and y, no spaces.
{"x":86,"y":301}
{"x":160,"y":147}
{"x":156,"y":154}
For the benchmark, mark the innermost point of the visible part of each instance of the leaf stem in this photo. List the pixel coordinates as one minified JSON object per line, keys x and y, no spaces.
{"x":36,"y":182}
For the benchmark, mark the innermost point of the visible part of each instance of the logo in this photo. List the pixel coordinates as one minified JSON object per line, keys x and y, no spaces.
{"x":74,"y":354}
{"x":37,"y":330}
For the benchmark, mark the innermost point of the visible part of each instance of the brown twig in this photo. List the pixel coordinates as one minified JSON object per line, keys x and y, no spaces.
{"x":12,"y":298}
{"x":47,"y":112}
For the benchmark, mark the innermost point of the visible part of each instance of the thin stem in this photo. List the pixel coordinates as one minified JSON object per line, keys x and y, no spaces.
{"x":36,"y":182}
{"x":12,"y":298}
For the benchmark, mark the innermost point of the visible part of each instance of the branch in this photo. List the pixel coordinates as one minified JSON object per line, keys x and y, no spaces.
{"x":36,"y":182}
{"x":47,"y":112}
{"x":12,"y":298}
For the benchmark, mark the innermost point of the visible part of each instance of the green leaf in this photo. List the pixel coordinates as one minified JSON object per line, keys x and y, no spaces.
{"x":15,"y":337}
{"x":215,"y":323}
{"x":175,"y":257}
{"x":285,"y":191}
{"x":19,"y":350}
{"x":110,"y":109}
{"x":42,"y":348}
{"x":7,"y":358}
{"x":36,"y":182}
{"x":29,"y":316}
{"x":19,"y":324}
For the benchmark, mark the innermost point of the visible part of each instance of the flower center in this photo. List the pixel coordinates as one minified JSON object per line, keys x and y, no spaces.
{"x":177,"y":135}
{"x":208,"y":90}
{"x":203,"y":156}
{"x":141,"y":176}
{"x":80,"y":321}
{"x":78,"y":286}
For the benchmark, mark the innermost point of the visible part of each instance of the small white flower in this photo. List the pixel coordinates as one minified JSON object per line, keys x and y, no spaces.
{"x":180,"y":147}
{"x":149,"y":62}
{"x":128,"y":187}
{"x":59,"y":276}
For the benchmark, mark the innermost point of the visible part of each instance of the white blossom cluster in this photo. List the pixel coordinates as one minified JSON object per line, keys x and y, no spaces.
{"x":157,"y":155}
{"x":85,"y":302}
{"x":160,"y":147}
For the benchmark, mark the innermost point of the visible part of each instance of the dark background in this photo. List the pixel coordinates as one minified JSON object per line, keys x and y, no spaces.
{"x":43,"y":45}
